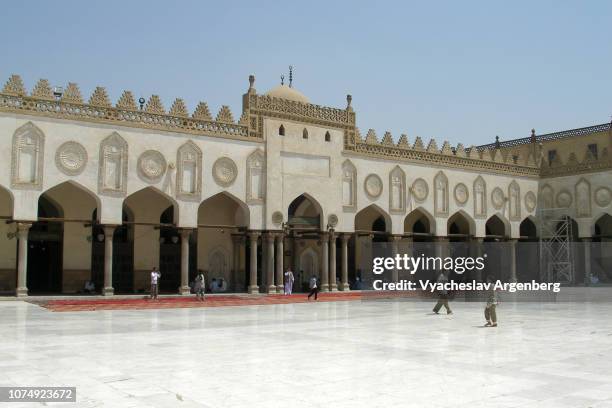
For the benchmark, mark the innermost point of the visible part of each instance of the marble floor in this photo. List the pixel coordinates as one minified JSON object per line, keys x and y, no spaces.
{"x":334,"y":354}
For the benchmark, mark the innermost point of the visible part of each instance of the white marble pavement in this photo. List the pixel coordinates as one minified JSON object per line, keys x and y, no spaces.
{"x":340,"y":354}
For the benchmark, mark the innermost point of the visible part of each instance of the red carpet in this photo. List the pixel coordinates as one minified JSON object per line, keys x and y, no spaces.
{"x":80,"y":304}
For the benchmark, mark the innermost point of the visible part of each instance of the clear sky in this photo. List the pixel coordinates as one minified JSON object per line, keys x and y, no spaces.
{"x":459,"y":70}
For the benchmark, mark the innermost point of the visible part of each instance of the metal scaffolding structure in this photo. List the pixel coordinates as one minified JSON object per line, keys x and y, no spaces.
{"x":556,"y":255}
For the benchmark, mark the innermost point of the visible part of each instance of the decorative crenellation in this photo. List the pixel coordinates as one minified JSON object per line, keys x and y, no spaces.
{"x":99,"y":97}
{"x":573,"y":165}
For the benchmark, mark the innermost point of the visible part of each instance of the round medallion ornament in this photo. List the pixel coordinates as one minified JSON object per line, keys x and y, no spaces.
{"x":332,"y":220}
{"x":373,"y":186}
{"x":461,"y":193}
{"x":152,"y":165}
{"x":530,"y":201}
{"x":497,"y":198}
{"x":420,"y":190}
{"x":564,"y":199}
{"x":71,"y":158}
{"x":277,"y":217}
{"x":225,"y":171}
{"x":603,"y":196}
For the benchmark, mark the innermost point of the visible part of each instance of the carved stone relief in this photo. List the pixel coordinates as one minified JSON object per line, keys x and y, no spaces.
{"x":603,"y":196}
{"x":564,"y":199}
{"x":514,"y":201}
{"x":530,"y":201}
{"x":547,"y":197}
{"x":71,"y":158}
{"x":349,"y":184}
{"x":224,"y":171}
{"x":277,"y":218}
{"x":256,"y":177}
{"x":441,"y":195}
{"x":373,"y":186}
{"x":113,"y":166}
{"x":583,"y":198}
{"x":27,"y":158}
{"x":461,"y":194}
{"x":480,"y":198}
{"x":152,"y":166}
{"x":397,"y":190}
{"x":420,"y":190}
{"x":189,"y":172}
{"x":497,"y":198}
{"x":332,"y":220}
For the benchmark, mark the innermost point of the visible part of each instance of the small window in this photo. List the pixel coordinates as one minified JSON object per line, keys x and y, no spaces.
{"x":593,"y":150}
{"x":552,"y":155}
{"x":281,"y":130}
{"x":305,"y":134}
{"x":515,"y":158}
{"x":327,"y":137}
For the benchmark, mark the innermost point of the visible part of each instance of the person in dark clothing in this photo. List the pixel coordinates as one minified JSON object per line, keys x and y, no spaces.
{"x":314,"y":289}
{"x":442,"y":297}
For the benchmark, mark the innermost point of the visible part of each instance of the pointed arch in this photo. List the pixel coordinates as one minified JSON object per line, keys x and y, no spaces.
{"x":6,"y":202}
{"x":480,"y":197}
{"x":281,"y":130}
{"x":224,"y":208}
{"x":367,"y":217}
{"x":256,"y":177}
{"x":529,"y":227}
{"x":397,"y":190}
{"x":327,"y":136}
{"x":189,"y":172}
{"x":441,"y":194}
{"x":73,"y":193}
{"x":145,"y":198}
{"x":602,"y":227}
{"x":461,"y":223}
{"x":497,"y":225}
{"x":304,"y":209}
{"x":420,"y":220}
{"x":113,"y":166}
{"x":349,"y":186}
{"x":27,"y":158}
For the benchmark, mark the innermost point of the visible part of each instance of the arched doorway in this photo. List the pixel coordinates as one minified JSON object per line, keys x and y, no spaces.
{"x":372,"y":231}
{"x":8,"y":244}
{"x":45,"y":249}
{"x":460,"y":227}
{"x":528,"y":252}
{"x":601,"y":249}
{"x":221,"y":242}
{"x":305,"y":224}
{"x":420,"y":226}
{"x":497,"y":251}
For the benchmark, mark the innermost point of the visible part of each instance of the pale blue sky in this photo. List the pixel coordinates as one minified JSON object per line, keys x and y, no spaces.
{"x":460,"y":71}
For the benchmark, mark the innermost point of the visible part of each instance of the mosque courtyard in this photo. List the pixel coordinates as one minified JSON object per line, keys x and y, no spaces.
{"x":358,"y":353}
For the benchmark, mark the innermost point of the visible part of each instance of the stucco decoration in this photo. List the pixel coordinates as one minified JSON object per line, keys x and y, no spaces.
{"x":420,"y":189}
{"x":27,"y":158}
{"x":461,"y":194}
{"x":530,"y":201}
{"x":152,"y":166}
{"x":480,"y":198}
{"x":332,"y":220}
{"x":603,"y":196}
{"x":497,"y":198}
{"x":397,"y":191}
{"x":583,"y":198}
{"x":71,"y":158}
{"x":113,"y":166}
{"x":349,"y":186}
{"x":224,"y":171}
{"x":277,"y":218}
{"x":514,"y":201}
{"x":189,"y":172}
{"x":441,"y":194}
{"x":564,"y":199}
{"x":546,"y":196}
{"x":373,"y":186}
{"x":256,"y":177}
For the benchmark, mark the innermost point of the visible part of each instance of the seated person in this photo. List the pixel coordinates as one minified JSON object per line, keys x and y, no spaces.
{"x":213,"y":285}
{"x":221,"y":285}
{"x":90,"y":287}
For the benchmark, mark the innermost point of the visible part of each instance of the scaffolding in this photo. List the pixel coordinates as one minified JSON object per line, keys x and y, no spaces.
{"x":556,"y":257}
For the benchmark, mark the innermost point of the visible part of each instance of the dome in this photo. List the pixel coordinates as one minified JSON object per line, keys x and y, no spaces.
{"x":285,"y":92}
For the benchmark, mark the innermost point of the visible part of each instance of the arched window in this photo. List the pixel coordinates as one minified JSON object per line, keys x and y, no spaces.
{"x":327,"y":137}
{"x":305,"y":134}
{"x":281,"y":130}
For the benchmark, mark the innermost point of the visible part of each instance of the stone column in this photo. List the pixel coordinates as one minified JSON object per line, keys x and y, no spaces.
{"x":333,"y":286}
{"x":238,"y":241}
{"x":23,"y":228}
{"x":344,"y":285}
{"x":395,"y":240}
{"x":280,"y":253}
{"x":512,"y":256}
{"x":108,"y":260}
{"x":184,"y":288}
{"x":253,"y":287}
{"x":324,"y":262}
{"x":269,"y":239}
{"x":586,"y":243}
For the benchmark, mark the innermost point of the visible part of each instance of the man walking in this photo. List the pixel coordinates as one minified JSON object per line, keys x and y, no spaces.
{"x":442,"y":296}
{"x":155,"y":275}
{"x":314,"y":289}
{"x":289,"y":279}
{"x":200,"y":285}
{"x":490,"y":312}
